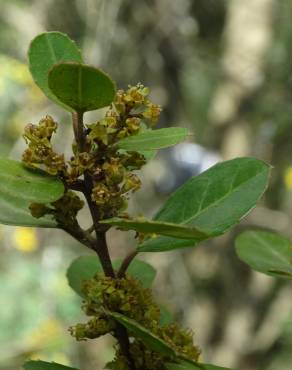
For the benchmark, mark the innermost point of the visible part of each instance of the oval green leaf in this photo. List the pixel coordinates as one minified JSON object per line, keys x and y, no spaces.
{"x":154,"y":139}
{"x":188,"y":366}
{"x":151,"y":340}
{"x":156,"y":227}
{"x":85,"y":267}
{"x":81,"y":87}
{"x":212,"y":202}
{"x":21,"y":186}
{"x":266,"y":252}
{"x":46,"y":50}
{"x":43,"y":365}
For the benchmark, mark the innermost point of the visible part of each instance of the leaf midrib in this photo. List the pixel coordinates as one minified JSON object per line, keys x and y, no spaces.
{"x":169,"y":224}
{"x":148,"y":138}
{"x":217,"y":201}
{"x":50,"y":47}
{"x":274,"y":252}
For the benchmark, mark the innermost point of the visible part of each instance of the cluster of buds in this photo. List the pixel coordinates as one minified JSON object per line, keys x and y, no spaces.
{"x":130,"y":112}
{"x":127,"y":296}
{"x":110,"y":169}
{"x":39,"y":152}
{"x":112,"y":183}
{"x":135,"y":102}
{"x":99,"y":325}
{"x":64,"y":210}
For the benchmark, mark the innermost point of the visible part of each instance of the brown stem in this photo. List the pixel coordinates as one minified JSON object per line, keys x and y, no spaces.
{"x":77,"y":185}
{"x":122,"y":335}
{"x":125,"y":264}
{"x":78,"y":127}
{"x":100,"y":245}
{"x":79,"y":234}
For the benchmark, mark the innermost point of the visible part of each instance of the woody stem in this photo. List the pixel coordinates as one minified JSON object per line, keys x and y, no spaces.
{"x":100,"y":246}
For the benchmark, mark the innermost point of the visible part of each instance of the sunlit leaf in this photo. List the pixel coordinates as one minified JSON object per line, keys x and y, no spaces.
{"x":81,"y":87}
{"x":46,"y":50}
{"x":266,"y":252}
{"x":154,"y":139}
{"x":85,"y":267}
{"x":19,"y":187}
{"x":212,"y":202}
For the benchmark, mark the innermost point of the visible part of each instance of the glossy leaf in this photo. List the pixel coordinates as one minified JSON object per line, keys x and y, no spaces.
{"x":43,"y":365}
{"x":212,"y":202}
{"x":266,"y":252}
{"x":162,"y":228}
{"x":189,"y":366}
{"x":81,"y":87}
{"x":46,"y":50}
{"x":150,"y":339}
{"x":85,"y":267}
{"x":154,"y":139}
{"x":19,"y":187}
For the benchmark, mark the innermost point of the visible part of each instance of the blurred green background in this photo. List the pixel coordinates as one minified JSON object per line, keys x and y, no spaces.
{"x":221,"y":68}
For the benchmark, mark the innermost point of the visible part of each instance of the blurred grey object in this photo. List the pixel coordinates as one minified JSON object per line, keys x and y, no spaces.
{"x":177,"y":164}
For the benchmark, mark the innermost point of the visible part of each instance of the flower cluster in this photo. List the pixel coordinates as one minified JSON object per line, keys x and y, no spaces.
{"x":128,"y":297}
{"x":64,"y":210}
{"x":109,"y":169}
{"x":40,"y":152}
{"x":130,"y":113}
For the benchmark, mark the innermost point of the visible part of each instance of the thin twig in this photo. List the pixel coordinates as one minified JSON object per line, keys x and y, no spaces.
{"x":81,"y":235}
{"x":126,"y":263}
{"x":77,"y":185}
{"x":77,"y":119}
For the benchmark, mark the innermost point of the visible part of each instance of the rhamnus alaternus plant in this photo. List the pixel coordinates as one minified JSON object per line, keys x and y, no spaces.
{"x":45,"y":190}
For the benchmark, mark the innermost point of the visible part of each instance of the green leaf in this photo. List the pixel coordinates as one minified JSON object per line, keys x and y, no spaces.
{"x":162,"y":228}
{"x":154,"y":139}
{"x":166,"y":243}
{"x":140,"y":270}
{"x":19,"y":187}
{"x":81,"y":87}
{"x":188,"y":366}
{"x":212,"y":202}
{"x":43,"y":365}
{"x":266,"y":252}
{"x":85,"y":267}
{"x":46,"y":50}
{"x":151,"y":340}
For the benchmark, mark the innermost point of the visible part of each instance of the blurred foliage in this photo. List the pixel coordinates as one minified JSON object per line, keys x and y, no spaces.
{"x":185,"y":51}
